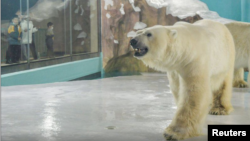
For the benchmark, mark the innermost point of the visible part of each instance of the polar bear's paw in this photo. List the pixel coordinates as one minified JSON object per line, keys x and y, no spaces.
{"x":175,"y":133}
{"x":218,"y":111}
{"x":240,"y":84}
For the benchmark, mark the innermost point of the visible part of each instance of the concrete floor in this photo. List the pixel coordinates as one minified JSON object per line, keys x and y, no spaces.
{"x":129,"y":108}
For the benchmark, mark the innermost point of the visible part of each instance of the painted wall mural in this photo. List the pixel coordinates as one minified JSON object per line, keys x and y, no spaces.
{"x":120,"y":20}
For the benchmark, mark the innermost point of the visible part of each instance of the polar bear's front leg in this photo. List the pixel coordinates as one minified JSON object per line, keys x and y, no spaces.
{"x":238,"y":81}
{"x":194,"y":99}
{"x":173,"y":78}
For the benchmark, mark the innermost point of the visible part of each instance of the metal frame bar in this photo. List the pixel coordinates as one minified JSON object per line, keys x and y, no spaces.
{"x":28,"y":19}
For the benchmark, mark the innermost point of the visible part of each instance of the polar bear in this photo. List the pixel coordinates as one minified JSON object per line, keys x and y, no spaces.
{"x":199,"y":61}
{"x":241,"y":34}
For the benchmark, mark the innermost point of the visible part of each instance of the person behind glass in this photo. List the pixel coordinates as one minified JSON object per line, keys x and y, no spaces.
{"x":33,"y":47}
{"x":50,"y":40}
{"x":14,"y":50}
{"x":28,"y":38}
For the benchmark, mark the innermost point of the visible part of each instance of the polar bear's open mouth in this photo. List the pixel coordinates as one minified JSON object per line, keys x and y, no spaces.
{"x":140,"y":51}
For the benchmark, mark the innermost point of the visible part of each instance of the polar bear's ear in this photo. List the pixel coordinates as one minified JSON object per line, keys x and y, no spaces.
{"x":173,"y":33}
{"x":140,"y":31}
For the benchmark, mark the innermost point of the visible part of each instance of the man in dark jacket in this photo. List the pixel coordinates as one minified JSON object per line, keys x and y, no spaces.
{"x":14,"y":49}
{"x":50,"y":40}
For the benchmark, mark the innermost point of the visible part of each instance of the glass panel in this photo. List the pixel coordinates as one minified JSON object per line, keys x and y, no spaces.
{"x":11,"y":38}
{"x":84,"y":26}
{"x":52,"y":32}
{"x":51,"y":24}
{"x":26,"y":26}
{"x":94,"y":25}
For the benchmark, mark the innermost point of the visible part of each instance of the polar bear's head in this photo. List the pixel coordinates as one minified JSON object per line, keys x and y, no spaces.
{"x":152,"y":42}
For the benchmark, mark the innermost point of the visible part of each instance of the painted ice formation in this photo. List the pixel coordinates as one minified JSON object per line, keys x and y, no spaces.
{"x":108,"y":15}
{"x":122,"y":9}
{"x":45,"y":9}
{"x":78,"y":27}
{"x":77,"y":2}
{"x":82,"y":43}
{"x":116,"y":41}
{"x":108,"y":2}
{"x":91,"y":16}
{"x":140,"y":25}
{"x":82,"y":35}
{"x":186,"y":8}
{"x":137,"y":9}
{"x":77,"y":10}
{"x":178,"y":8}
{"x":92,"y":3}
{"x":157,"y":3}
{"x":82,"y":10}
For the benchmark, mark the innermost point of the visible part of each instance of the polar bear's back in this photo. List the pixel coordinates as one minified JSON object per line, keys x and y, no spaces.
{"x":241,"y":34}
{"x":210,"y":37}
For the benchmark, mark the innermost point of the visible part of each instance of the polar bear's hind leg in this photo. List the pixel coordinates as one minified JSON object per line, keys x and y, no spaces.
{"x":222,"y":98}
{"x":239,"y":79}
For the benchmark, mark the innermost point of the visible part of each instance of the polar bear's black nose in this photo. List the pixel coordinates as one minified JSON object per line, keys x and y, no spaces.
{"x":133,"y":42}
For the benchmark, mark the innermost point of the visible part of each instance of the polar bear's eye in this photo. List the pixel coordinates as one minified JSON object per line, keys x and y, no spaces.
{"x":149,"y":34}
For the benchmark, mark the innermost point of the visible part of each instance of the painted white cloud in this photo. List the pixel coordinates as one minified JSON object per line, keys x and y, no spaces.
{"x":140,"y":25}
{"x":122,"y":9}
{"x":108,"y":15}
{"x":108,"y":2}
{"x":82,"y":10}
{"x":82,"y":35}
{"x":78,"y":27}
{"x":82,"y":43}
{"x":92,"y":16}
{"x":116,"y":41}
{"x":92,"y":3}
{"x":137,"y":9}
{"x":131,"y":34}
{"x":77,"y":10}
{"x":77,"y":2}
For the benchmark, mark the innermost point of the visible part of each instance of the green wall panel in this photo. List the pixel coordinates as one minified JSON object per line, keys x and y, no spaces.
{"x":55,"y":73}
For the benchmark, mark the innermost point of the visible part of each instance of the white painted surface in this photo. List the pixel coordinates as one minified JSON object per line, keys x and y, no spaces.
{"x":82,"y":10}
{"x":140,"y":25}
{"x":108,"y":15}
{"x":122,"y":9}
{"x":82,"y":43}
{"x":77,"y":9}
{"x":107,"y":3}
{"x":186,"y":8}
{"x":131,"y":34}
{"x":78,"y":27}
{"x":82,"y":35}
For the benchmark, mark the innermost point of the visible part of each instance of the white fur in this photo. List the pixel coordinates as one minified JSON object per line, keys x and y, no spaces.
{"x":199,"y":61}
{"x":241,"y":34}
